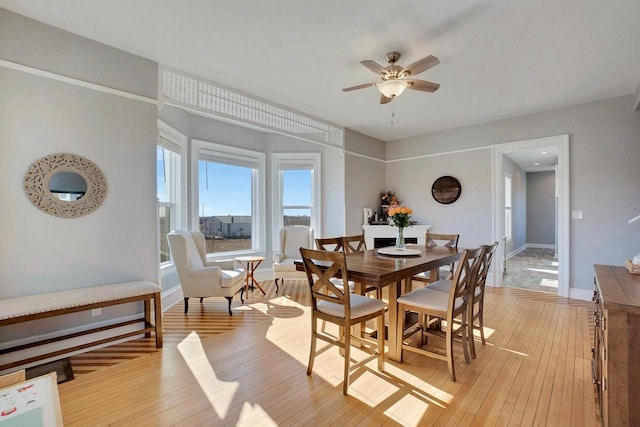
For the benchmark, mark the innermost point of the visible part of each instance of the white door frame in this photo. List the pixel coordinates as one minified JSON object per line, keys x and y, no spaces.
{"x":561,"y":142}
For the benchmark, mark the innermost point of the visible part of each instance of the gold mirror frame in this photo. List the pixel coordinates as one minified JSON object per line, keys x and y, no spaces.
{"x":36,"y":185}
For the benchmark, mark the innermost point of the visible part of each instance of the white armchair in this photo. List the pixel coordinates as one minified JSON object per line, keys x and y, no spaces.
{"x":200,"y":278}
{"x":291,"y":240}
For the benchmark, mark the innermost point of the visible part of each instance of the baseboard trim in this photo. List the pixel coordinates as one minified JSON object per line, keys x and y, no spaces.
{"x":529,"y":245}
{"x":581,"y":294}
{"x":540,"y":246}
{"x":171,"y":297}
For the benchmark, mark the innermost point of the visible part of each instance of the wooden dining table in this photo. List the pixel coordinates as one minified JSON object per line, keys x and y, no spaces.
{"x":372,"y":269}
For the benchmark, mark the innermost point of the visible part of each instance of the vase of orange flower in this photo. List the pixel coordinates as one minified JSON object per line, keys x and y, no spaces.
{"x":400,"y":216}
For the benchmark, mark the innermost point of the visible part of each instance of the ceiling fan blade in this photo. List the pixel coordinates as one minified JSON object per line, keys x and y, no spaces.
{"x":384,"y":99}
{"x":374,"y":66}
{"x":421,"y":65}
{"x":362,"y":86}
{"x":423,"y":85}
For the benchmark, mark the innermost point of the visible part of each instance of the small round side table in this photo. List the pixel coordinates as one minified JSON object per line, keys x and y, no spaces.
{"x":252,"y":263}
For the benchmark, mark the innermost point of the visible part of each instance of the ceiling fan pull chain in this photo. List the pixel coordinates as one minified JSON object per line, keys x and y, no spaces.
{"x":393,"y":115}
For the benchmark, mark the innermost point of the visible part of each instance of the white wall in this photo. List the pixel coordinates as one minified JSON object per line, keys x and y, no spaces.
{"x":364,"y":178}
{"x":541,"y":208}
{"x":470,"y":215}
{"x":604,"y":172}
{"x":40,"y":116}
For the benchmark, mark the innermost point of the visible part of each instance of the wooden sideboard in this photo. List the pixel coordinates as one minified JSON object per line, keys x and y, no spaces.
{"x":616,"y":349}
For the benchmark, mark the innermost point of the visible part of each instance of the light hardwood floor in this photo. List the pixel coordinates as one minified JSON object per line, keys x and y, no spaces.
{"x":250,"y":370}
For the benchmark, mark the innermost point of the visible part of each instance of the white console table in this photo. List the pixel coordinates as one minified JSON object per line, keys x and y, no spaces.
{"x":372,"y":232}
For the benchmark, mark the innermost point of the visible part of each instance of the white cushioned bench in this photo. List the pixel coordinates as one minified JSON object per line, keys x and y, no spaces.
{"x":33,"y":307}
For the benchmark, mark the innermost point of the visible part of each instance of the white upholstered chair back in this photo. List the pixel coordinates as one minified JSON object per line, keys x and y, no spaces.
{"x":292,"y":238}
{"x":198,"y":277}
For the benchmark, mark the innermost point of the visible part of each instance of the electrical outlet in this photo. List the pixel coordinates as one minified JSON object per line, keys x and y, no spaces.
{"x":576,"y":214}
{"x":96,"y":312}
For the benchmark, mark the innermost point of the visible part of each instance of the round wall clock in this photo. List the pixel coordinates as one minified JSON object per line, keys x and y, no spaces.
{"x":446,"y":190}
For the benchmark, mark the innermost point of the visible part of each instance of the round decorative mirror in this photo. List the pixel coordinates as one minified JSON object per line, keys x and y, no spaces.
{"x":65,"y":185}
{"x":446,"y":190}
{"x":68,"y":186}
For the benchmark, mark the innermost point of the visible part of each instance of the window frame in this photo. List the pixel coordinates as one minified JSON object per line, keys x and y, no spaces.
{"x":508,"y":208}
{"x":258,"y":196}
{"x":278,"y":160}
{"x":175,"y":141}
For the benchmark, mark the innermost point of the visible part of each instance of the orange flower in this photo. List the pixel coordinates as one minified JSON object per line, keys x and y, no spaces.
{"x":400,"y":215}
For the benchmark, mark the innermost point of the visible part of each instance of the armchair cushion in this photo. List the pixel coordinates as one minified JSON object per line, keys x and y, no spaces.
{"x":230,"y":278}
{"x":292,"y":239}
{"x":286,"y":265}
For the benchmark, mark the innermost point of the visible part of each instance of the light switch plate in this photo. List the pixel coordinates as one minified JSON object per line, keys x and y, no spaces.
{"x":576,"y":214}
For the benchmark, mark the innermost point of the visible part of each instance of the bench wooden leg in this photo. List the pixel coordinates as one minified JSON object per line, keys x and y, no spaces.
{"x":157,"y":308}
{"x":147,"y":315}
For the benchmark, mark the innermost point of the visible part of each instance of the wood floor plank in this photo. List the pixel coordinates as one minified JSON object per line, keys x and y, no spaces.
{"x":250,"y":369}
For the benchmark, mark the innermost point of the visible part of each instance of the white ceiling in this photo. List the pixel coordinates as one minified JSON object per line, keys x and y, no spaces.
{"x":499,"y":58}
{"x":538,"y":160}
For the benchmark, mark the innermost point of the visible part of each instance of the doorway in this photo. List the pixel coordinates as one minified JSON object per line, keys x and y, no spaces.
{"x":558,"y":145}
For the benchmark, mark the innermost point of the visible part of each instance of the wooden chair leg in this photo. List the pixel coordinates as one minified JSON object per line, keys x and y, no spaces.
{"x":472,"y":344}
{"x":381,"y":343}
{"x":312,"y":352}
{"x":400,"y":331}
{"x":452,"y":369}
{"x":464,"y":329}
{"x":229,"y":299}
{"x":481,"y":321}
{"x":347,"y":359}
{"x":186,"y":305}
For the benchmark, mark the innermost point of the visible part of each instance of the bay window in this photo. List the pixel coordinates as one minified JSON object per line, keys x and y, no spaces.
{"x":228,"y":193}
{"x":170,"y":191}
{"x":296,"y":187}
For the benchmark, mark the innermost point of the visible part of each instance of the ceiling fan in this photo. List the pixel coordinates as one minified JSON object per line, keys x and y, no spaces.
{"x":396,"y":79}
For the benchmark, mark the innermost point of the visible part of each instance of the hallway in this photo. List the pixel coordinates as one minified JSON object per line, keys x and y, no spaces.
{"x":533,"y":268}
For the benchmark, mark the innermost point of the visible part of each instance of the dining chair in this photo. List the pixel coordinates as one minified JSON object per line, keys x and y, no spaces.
{"x":344,"y":309}
{"x":354,"y":243}
{"x":334,"y":244}
{"x":476,"y":302}
{"x":329,"y":244}
{"x":450,"y":307}
{"x":476,"y":306}
{"x":437,"y":239}
{"x":357,"y":243}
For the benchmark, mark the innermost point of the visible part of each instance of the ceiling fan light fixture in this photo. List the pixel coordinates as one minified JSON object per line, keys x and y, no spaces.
{"x":392,"y":88}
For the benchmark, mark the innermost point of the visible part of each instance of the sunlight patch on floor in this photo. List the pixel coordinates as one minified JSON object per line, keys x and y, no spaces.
{"x":251,"y":413}
{"x":487,"y":332}
{"x":367,"y":382}
{"x":542,"y":270}
{"x":519,"y":353}
{"x":408,"y":410}
{"x":219,"y":393}
{"x":415,"y":385}
{"x":550,"y":283}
